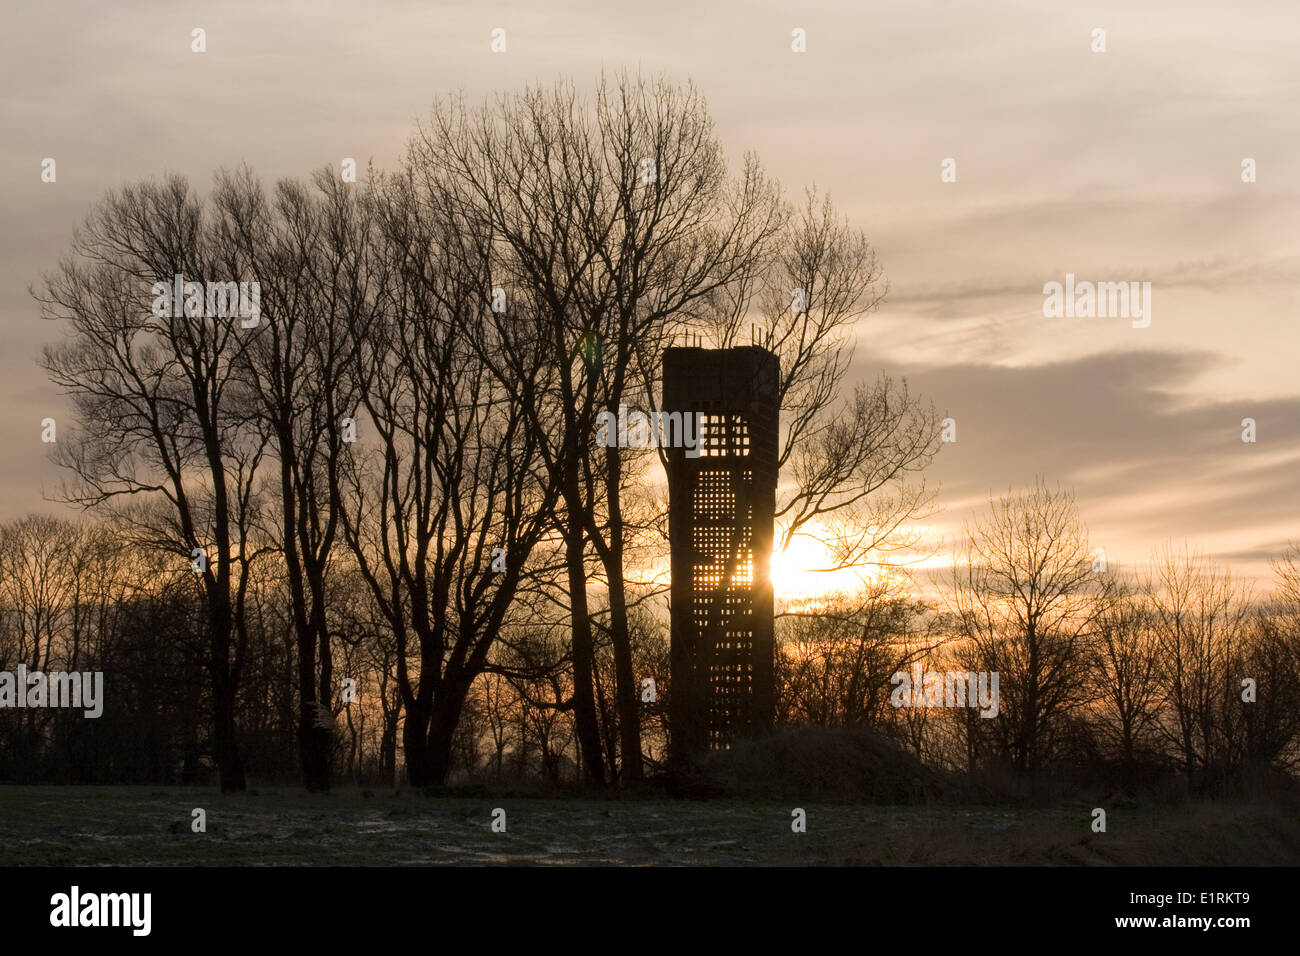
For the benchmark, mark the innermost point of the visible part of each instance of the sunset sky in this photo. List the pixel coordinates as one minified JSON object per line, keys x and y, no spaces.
{"x":1115,"y":166}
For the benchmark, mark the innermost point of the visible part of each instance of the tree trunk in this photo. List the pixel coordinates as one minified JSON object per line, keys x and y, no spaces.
{"x":414,"y":746}
{"x":314,"y":749}
{"x":314,"y":737}
{"x":442,"y":730}
{"x":229,"y":763}
{"x":627,"y":700}
{"x":388,"y":746}
{"x":584,"y":700}
{"x":428,"y":736}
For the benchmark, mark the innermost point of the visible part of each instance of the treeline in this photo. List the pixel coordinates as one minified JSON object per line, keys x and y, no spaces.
{"x":1177,"y":673}
{"x":75,"y":596}
{"x":376,"y":509}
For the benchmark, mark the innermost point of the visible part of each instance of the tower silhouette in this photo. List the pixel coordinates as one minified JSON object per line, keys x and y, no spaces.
{"x":722,"y":503}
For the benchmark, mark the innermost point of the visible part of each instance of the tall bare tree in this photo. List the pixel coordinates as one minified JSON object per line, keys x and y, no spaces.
{"x":445,"y":505}
{"x":1022,"y":590}
{"x":1198,"y":612}
{"x":525,"y":177}
{"x":315,"y":251}
{"x":1125,"y":672}
{"x":164,"y":414}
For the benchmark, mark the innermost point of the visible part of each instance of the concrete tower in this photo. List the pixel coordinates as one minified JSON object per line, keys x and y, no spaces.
{"x":722,"y":500}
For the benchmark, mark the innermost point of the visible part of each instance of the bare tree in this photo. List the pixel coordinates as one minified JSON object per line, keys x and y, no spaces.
{"x":1021,"y":591}
{"x":1271,"y":660}
{"x":38,"y":584}
{"x":851,"y":459}
{"x":315,"y":252}
{"x":675,"y":229}
{"x":1125,"y":672}
{"x":1198,"y":612}
{"x":444,"y":507}
{"x":524,"y":177}
{"x":163,"y":410}
{"x":835,"y":656}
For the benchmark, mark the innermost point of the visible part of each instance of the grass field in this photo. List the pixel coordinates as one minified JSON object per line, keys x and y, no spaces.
{"x":93,"y":826}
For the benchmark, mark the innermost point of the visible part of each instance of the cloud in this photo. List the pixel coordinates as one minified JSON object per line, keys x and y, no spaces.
{"x":1146,"y":463}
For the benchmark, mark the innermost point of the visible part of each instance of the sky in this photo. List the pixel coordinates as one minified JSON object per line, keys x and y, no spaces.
{"x":1115,"y":166}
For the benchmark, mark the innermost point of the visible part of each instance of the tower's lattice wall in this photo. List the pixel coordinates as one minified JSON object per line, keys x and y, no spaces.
{"x":721,"y":513}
